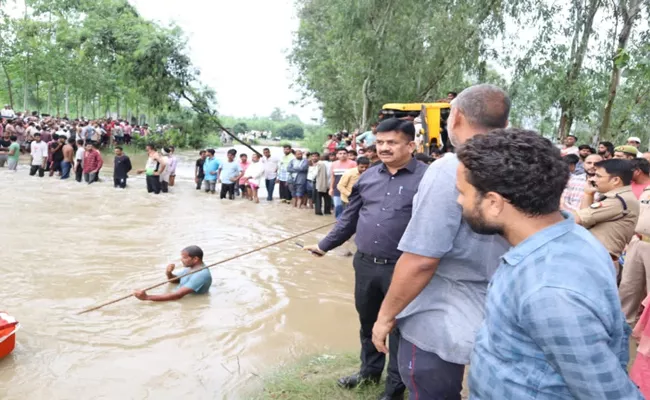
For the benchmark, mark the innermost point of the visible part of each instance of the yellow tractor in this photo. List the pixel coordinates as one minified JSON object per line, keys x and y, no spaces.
{"x":433,"y":117}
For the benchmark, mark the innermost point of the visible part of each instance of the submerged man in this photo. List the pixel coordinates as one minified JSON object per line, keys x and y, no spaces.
{"x":199,"y":282}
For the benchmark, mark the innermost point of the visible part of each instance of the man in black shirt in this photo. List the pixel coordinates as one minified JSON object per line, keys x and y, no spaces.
{"x":56,"y":153}
{"x":4,"y":145}
{"x":198,"y":170}
{"x":122,"y":166}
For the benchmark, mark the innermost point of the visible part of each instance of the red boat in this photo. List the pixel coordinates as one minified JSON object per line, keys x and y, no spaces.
{"x":8,"y":328}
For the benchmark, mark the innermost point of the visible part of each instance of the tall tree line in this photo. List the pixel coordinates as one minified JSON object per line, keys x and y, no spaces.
{"x":578,"y":67}
{"x":93,"y":58}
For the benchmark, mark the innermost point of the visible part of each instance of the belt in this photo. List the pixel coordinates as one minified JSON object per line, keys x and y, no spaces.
{"x":377,"y":260}
{"x":643,"y":238}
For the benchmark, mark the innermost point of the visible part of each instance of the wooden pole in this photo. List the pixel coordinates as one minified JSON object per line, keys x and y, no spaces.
{"x":206,"y":267}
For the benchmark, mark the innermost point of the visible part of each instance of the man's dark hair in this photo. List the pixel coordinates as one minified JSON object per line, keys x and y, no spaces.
{"x":243,"y":155}
{"x":80,"y":142}
{"x":642,"y":165}
{"x":55,"y":136}
{"x":71,"y":141}
{"x":585,"y":147}
{"x":201,"y":152}
{"x":193,"y":251}
{"x":609,"y":146}
{"x":329,"y":136}
{"x":372,"y":147}
{"x":353,"y":152}
{"x":232,"y":152}
{"x":571,"y":159}
{"x":344,"y":149}
{"x":484,"y":106}
{"x":13,"y":138}
{"x":520,"y":165}
{"x":363,"y":161}
{"x":455,"y":94}
{"x":573,"y":136}
{"x":592,"y":150}
{"x":423,"y":157}
{"x":211,"y":151}
{"x":151,"y":146}
{"x":37,"y":134}
{"x":265,"y":149}
{"x":617,"y":167}
{"x":119,"y":148}
{"x":95,"y":145}
{"x":398,"y":125}
{"x":286,"y":146}
{"x":314,"y":153}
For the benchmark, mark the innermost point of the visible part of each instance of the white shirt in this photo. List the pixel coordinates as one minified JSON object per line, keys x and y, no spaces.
{"x":271,"y":167}
{"x":38,"y":152}
{"x":4,"y":113}
{"x":255,"y":172}
{"x":80,"y":154}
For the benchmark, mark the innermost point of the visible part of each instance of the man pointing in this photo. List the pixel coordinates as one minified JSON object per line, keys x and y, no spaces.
{"x":437,"y":295}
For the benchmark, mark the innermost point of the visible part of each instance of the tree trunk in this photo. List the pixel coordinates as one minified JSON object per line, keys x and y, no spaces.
{"x":585,"y":21}
{"x":629,"y":12}
{"x":117,"y":107}
{"x":67,"y":102}
{"x":366,"y":103}
{"x":49,"y":100}
{"x":38,"y":96}
{"x":11,"y":94}
{"x":76,"y":99}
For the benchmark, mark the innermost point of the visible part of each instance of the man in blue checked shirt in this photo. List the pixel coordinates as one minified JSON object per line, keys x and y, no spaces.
{"x":554,"y":328}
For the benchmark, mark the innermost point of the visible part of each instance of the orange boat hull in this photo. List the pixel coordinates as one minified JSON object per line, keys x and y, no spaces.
{"x":7,"y":345}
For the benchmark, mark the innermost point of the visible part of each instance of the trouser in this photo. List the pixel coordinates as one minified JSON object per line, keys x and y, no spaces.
{"x":3,"y":159}
{"x":210,"y":186}
{"x":90,"y":177}
{"x":427,"y":376}
{"x":78,"y":173}
{"x":12,"y":164}
{"x":153,"y":184}
{"x":66,"y":166}
{"x":34,"y":168}
{"x":371,"y":285}
{"x":338,"y":206}
{"x":285,"y":191}
{"x":119,"y":183}
{"x":164,"y":186}
{"x":320,"y":198}
{"x":635,"y":280}
{"x":228,"y":188}
{"x":199,"y":182}
{"x":270,"y":188}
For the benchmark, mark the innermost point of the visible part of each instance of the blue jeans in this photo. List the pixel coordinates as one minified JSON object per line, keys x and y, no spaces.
{"x":65,"y":169}
{"x":270,"y":187}
{"x":338,"y":206}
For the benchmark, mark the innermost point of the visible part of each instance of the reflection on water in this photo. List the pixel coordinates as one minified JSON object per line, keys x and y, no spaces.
{"x":67,"y":246}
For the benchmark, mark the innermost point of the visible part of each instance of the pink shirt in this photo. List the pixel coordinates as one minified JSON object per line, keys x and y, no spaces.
{"x":244,"y":167}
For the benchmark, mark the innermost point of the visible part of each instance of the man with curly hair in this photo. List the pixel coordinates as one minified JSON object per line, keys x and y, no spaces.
{"x":554,"y":326}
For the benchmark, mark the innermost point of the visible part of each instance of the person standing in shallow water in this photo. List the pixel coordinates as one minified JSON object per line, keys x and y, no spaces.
{"x":122,"y":166}
{"x":197,"y":283}
{"x":199,"y":175}
{"x":154,"y":167}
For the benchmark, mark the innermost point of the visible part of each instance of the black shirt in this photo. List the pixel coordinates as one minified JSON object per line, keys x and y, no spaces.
{"x":121,"y":167}
{"x":5,"y":143}
{"x":57,"y":155}
{"x":199,"y":165}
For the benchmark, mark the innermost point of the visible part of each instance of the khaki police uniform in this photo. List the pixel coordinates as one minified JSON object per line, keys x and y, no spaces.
{"x":612,"y":220}
{"x":635,"y":280}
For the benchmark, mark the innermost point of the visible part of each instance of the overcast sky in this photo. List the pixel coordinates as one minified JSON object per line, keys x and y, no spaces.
{"x":240,"y":48}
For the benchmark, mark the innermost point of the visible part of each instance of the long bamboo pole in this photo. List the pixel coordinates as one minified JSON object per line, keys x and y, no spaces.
{"x":206,"y":267}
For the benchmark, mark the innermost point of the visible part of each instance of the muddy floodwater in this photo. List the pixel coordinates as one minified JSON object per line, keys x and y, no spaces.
{"x":68,"y":246}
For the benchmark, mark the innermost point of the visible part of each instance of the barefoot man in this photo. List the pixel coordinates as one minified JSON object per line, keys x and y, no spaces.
{"x":199,"y":283}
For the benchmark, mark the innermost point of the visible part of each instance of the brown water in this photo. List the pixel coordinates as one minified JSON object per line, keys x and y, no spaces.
{"x":67,"y":246}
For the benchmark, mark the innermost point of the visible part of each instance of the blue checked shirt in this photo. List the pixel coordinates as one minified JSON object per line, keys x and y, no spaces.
{"x":554,"y":328}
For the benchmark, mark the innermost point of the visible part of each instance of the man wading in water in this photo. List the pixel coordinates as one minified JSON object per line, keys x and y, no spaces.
{"x":199,"y":283}
{"x":154,"y":167}
{"x":379,"y":210}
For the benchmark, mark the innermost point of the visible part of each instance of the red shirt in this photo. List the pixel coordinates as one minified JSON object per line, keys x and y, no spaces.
{"x":92,"y":161}
{"x":638,"y":188}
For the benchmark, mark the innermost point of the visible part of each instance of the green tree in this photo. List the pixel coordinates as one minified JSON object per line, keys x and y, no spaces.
{"x":291,"y":131}
{"x":240,"y":127}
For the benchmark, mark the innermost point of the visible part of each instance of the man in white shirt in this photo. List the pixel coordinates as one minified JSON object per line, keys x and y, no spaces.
{"x":570,"y":146}
{"x":39,"y":156}
{"x":7,"y":112}
{"x":271,"y":165}
{"x":78,"y":161}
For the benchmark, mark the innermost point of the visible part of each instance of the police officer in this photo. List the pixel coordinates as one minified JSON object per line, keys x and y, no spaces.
{"x":626,"y":152}
{"x":613,"y":217}
{"x":635,"y":280}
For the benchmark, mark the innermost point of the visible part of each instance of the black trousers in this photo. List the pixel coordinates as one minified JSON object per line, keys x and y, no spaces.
{"x":199,"y":182}
{"x":153,"y":184}
{"x":119,"y":183}
{"x":164,"y":186}
{"x":285,"y":191}
{"x":78,"y":173}
{"x":319,"y":199}
{"x":35,"y":168}
{"x":371,"y":282}
{"x":228,"y":188}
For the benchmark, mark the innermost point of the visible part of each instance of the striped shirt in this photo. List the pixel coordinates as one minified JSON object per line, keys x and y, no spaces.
{"x":574,"y":192}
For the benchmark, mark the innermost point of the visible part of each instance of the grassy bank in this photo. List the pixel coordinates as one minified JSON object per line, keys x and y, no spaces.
{"x":315,"y":378}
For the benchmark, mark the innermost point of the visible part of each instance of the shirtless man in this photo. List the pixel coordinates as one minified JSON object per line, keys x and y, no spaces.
{"x":154,"y":167}
{"x":199,"y":282}
{"x":68,"y":159}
